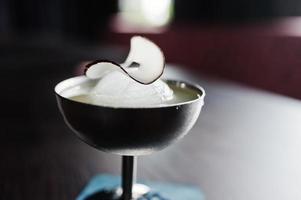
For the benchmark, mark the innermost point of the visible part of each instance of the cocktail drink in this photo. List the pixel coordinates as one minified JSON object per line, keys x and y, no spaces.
{"x":126,"y":109}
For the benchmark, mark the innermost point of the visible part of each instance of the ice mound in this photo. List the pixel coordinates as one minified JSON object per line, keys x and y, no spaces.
{"x":119,"y":90}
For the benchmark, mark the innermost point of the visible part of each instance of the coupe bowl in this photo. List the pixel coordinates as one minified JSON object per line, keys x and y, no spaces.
{"x":128,"y":131}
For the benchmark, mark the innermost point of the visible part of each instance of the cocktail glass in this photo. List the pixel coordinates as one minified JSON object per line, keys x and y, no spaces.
{"x":129,"y":132}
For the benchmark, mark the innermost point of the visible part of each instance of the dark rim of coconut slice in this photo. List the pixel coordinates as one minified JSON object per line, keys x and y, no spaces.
{"x":138,"y":43}
{"x":92,"y":63}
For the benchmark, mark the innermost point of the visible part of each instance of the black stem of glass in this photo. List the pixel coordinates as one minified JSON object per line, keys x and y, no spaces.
{"x":129,"y":164}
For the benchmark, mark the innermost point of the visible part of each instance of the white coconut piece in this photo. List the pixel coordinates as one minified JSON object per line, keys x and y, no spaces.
{"x":149,"y":57}
{"x":145,"y":62}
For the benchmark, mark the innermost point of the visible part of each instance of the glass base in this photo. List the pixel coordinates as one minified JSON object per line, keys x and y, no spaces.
{"x":140,"y":192}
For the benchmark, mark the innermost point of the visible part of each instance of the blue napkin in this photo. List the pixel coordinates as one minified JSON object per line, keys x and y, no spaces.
{"x":166,"y":190}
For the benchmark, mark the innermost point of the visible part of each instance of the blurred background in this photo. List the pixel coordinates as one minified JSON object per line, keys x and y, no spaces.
{"x":254,"y":43}
{"x":251,"y":42}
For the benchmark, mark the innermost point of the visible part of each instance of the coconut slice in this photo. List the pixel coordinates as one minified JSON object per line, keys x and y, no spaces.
{"x":148,"y":56}
{"x":145,"y":62}
{"x":99,"y":68}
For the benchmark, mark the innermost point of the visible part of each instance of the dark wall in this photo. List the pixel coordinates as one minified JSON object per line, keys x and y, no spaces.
{"x":77,"y":18}
{"x":87,"y":19}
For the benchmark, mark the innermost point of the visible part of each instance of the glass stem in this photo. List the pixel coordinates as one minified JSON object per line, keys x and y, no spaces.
{"x":129,"y":165}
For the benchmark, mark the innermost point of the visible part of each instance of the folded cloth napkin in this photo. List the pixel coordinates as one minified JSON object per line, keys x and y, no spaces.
{"x":159,"y":191}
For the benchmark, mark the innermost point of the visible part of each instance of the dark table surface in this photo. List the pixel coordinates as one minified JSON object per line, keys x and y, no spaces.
{"x":246,"y":145}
